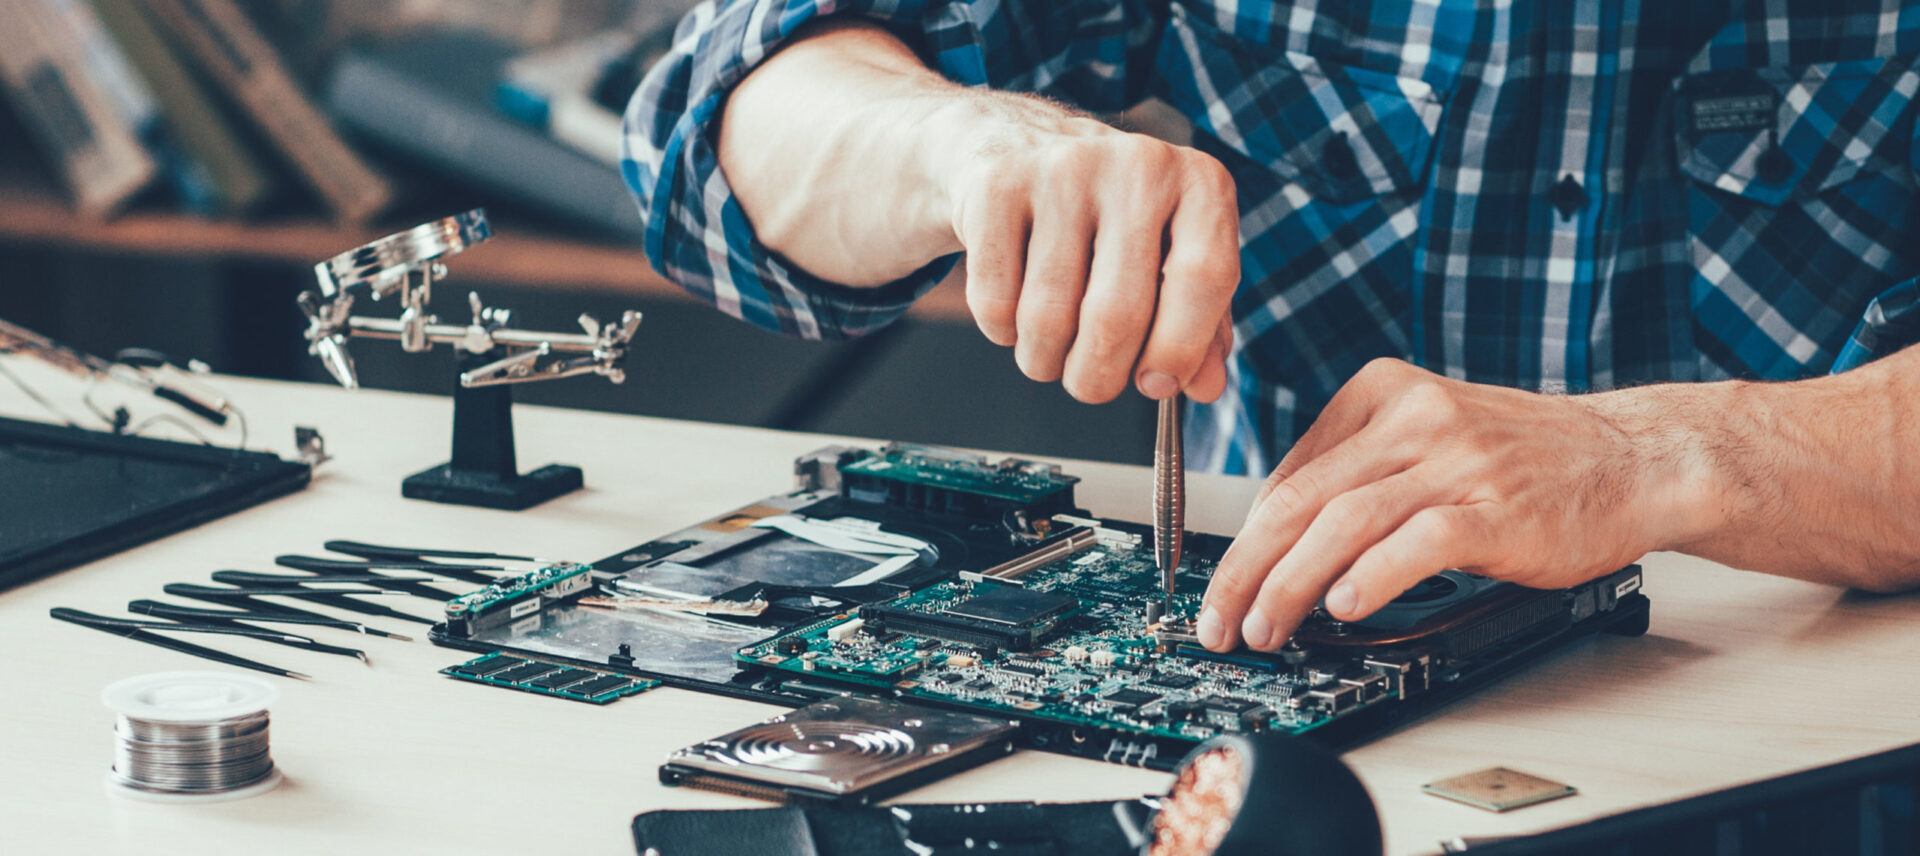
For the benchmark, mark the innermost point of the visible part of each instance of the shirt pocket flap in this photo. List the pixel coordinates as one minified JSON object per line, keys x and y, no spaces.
{"x":1345,"y":134}
{"x":1770,"y":134}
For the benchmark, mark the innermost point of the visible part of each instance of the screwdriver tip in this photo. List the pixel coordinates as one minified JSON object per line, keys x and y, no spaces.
{"x":400,"y":638}
{"x":300,"y":675}
{"x":363,"y":657}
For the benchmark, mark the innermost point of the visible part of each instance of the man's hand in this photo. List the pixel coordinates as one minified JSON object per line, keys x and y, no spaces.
{"x":1099,"y":255}
{"x":1406,"y":474}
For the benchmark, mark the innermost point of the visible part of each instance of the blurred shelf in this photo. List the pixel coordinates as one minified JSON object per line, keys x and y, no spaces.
{"x":31,"y":212}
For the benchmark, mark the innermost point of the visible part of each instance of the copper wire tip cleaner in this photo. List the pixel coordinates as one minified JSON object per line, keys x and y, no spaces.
{"x":1169,"y":497}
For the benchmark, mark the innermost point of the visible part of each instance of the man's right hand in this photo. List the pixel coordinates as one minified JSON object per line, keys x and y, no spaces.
{"x":1098,"y":255}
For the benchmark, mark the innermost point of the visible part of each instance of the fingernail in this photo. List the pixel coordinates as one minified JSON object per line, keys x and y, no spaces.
{"x":1211,"y":630}
{"x":1256,"y":630}
{"x":1342,"y":600}
{"x":1158,"y":385}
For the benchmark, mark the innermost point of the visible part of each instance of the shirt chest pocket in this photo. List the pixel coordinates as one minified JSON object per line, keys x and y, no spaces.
{"x":1344,"y":134}
{"x":1800,"y":202}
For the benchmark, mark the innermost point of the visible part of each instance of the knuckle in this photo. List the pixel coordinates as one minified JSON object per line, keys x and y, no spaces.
{"x":1047,"y":323}
{"x":1289,"y":497}
{"x":988,"y":300}
{"x":1033,"y":364}
{"x":1211,"y":273}
{"x":1208,"y":173}
{"x":1380,"y":368}
{"x":1433,"y":528}
{"x":1274,"y":480}
{"x":1428,"y":402}
{"x":1283,"y":592}
{"x":1348,"y":511}
{"x":1001,"y":185}
{"x":1104,"y":338}
{"x":1140,"y":150}
{"x":1088,"y":388}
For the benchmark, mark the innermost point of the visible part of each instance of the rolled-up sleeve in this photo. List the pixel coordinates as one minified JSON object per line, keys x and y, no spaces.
{"x":1096,"y":54}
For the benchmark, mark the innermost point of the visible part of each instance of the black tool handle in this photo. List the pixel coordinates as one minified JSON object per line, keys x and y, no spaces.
{"x":310,"y":563}
{"x":78,"y":617}
{"x":245,"y":598}
{"x":192,"y":404}
{"x":281,"y":590}
{"x":465,"y":573}
{"x":251,"y":578}
{"x":167,"y":610}
{"x":367,"y":578}
{"x":402,"y":554}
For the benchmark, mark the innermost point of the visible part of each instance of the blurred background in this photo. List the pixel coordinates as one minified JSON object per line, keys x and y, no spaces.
{"x":170,"y":171}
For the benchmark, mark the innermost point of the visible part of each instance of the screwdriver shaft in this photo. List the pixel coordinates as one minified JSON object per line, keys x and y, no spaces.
{"x":1169,"y":496}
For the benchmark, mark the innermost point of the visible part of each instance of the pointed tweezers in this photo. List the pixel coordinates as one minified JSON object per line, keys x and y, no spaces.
{"x":120,"y":628}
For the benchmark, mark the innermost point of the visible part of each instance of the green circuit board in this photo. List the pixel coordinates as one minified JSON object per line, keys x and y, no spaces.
{"x":904,"y":466}
{"x":544,"y":677}
{"x":1093,"y":658}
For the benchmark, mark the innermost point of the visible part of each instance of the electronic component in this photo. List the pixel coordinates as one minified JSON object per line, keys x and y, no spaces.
{"x":1001,"y":617}
{"x":951,"y":481}
{"x":849,"y":749}
{"x":513,"y":598}
{"x":1014,"y":606}
{"x":596,"y":686}
{"x":1336,"y":698}
{"x":1131,"y":699}
{"x":1017,"y":615}
{"x":1499,"y":789}
{"x":1081,"y":654}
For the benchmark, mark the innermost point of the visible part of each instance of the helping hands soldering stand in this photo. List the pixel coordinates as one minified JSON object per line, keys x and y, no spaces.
{"x":483,"y":470}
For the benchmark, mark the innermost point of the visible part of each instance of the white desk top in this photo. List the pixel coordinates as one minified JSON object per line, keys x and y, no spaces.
{"x":1742,"y":677}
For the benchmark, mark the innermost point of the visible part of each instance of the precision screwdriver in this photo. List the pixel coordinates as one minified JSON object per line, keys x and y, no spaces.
{"x":1169,"y":497}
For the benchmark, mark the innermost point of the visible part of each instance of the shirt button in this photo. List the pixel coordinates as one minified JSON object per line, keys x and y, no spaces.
{"x":1567,"y":196}
{"x":1337,"y":156}
{"x":1773,"y":166}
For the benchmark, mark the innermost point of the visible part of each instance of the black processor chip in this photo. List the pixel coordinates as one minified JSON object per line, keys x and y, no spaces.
{"x":490,"y":664}
{"x":520,"y":673}
{"x":1131,"y":698}
{"x":600,"y":685}
{"x":560,"y":678}
{"x":1233,"y":706}
{"x":1014,"y":606}
{"x":1173,"y":682}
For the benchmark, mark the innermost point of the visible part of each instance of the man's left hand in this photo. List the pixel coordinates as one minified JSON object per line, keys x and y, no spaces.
{"x":1407,"y":473}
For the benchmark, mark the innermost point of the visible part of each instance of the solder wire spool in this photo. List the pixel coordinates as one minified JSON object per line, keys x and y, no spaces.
{"x":1264,"y":794}
{"x":191,"y":737}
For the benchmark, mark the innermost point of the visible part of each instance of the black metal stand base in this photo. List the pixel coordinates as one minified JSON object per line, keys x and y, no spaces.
{"x":483,"y":470}
{"x":513,"y":493}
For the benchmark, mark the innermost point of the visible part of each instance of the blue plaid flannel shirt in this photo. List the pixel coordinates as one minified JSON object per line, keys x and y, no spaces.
{"x":1563,"y":195}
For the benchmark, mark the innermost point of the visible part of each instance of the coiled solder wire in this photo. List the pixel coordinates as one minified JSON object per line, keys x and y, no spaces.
{"x":191,"y":757}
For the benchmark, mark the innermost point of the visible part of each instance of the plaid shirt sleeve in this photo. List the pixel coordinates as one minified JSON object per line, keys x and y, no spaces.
{"x":1094,"y":53}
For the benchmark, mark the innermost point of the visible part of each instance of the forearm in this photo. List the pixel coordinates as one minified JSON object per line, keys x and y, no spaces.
{"x":832,"y":147}
{"x":1101,"y":257}
{"x":1814,"y":479}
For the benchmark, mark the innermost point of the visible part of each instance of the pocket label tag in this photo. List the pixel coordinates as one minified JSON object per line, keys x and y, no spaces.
{"x":1748,"y":105}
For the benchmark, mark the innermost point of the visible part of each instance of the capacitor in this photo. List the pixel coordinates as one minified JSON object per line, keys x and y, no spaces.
{"x":1155,"y":611}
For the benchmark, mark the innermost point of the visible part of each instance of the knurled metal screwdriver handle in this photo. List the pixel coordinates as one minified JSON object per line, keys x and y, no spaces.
{"x":1169,"y":493}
